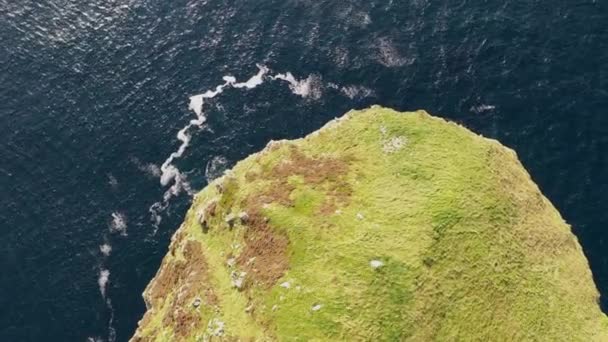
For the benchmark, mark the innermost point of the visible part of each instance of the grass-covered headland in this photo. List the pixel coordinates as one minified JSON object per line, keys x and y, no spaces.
{"x":381,"y":226}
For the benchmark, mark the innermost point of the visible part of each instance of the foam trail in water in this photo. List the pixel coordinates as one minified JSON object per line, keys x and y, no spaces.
{"x":308,"y":87}
{"x":111,"y":330}
{"x":254,"y":81}
{"x":102,"y":281}
{"x":169,"y":172}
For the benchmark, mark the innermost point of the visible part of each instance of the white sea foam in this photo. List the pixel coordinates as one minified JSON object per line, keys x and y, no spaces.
{"x":356,"y":92}
{"x":105,"y":249}
{"x":254,"y":81}
{"x":389,"y":56}
{"x":112,"y":181}
{"x":169,"y":173}
{"x":196,"y":104}
{"x":215,"y":167}
{"x":482,"y":108}
{"x":119,"y":223}
{"x":150,"y":169}
{"x":102,"y":281}
{"x":309,"y":87}
{"x":111,"y":329}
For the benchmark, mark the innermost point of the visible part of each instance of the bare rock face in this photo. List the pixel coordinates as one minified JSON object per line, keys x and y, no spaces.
{"x":379,"y":226}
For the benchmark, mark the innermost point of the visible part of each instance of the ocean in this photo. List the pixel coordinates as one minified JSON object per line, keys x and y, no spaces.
{"x":94,"y":177}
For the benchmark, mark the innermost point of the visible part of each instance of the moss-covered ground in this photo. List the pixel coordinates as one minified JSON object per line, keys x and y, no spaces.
{"x":382,"y":226}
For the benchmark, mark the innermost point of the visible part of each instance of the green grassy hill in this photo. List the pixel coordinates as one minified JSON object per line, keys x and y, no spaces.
{"x":381,"y":226}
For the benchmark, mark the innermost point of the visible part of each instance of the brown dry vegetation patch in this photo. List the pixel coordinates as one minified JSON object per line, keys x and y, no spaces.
{"x":313,"y":170}
{"x":187,"y":280}
{"x":265,"y":255}
{"x":323,"y":173}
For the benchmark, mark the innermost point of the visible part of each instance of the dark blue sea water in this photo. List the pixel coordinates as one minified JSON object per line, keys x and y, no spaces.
{"x":93,"y":93}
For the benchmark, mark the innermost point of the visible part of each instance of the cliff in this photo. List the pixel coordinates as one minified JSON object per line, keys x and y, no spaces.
{"x":379,"y":226}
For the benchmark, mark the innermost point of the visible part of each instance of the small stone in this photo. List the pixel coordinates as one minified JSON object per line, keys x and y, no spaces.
{"x":230,"y":219}
{"x":215,"y":327}
{"x":249,"y":308}
{"x":205,"y":214}
{"x":275,"y":307}
{"x":244,"y":217}
{"x":231,"y":262}
{"x":316,"y":307}
{"x":238,"y":279}
{"x":202,"y":219}
{"x":285,"y":285}
{"x":196,"y":303}
{"x":360,"y":216}
{"x":375,"y":264}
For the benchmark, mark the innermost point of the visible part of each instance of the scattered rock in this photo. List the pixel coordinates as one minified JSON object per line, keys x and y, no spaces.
{"x":360,"y":216}
{"x":231,"y":262}
{"x":375,"y":264}
{"x":244,"y":217}
{"x":275,"y":307}
{"x":215,"y":327}
{"x":249,"y":308}
{"x":197,"y":302}
{"x":316,"y":307}
{"x":206,"y":213}
{"x":238,"y":279}
{"x":219,"y":186}
{"x":202,"y":219}
{"x":230,"y":219}
{"x":285,"y":285}
{"x":393,"y":144}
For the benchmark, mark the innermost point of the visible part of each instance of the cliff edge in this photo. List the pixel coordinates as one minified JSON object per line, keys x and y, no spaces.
{"x":379,"y":226}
